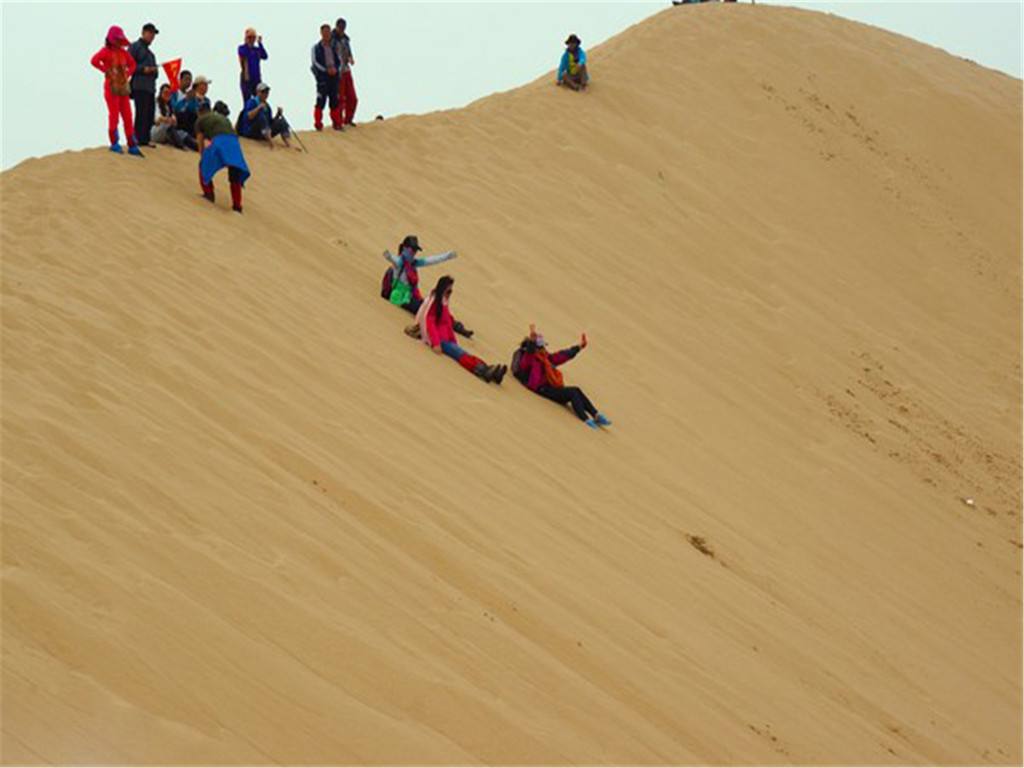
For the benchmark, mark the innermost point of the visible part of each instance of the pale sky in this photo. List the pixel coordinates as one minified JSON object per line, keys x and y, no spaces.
{"x":411,"y":57}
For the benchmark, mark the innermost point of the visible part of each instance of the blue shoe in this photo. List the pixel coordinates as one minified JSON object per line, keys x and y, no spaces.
{"x":134,"y":150}
{"x":603,"y":420}
{"x":115,"y":147}
{"x":591,"y":423}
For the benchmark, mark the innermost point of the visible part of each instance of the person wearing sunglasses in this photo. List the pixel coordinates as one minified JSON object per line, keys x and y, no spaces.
{"x":250,"y":54}
{"x":438,"y":332}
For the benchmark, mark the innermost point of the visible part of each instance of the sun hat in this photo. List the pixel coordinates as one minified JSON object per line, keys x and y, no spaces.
{"x":411,"y":241}
{"x":200,"y":79}
{"x":262,"y":87}
{"x":573,"y":39}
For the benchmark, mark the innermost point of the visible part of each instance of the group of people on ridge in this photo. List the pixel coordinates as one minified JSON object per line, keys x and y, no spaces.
{"x":532,"y":364}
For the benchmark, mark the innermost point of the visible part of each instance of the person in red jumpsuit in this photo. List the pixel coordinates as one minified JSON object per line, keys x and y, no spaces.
{"x":117,"y":66}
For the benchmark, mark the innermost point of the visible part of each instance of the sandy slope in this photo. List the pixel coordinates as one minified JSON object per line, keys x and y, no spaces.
{"x":245,"y":519}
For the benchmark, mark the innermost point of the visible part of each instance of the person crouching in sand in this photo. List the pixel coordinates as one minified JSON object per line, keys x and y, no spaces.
{"x":437,"y":331}
{"x":537,"y":370}
{"x":572,"y":69}
{"x":219,"y":148}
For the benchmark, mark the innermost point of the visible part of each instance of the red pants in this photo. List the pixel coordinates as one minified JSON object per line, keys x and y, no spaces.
{"x":347,"y":97}
{"x":119,"y":106}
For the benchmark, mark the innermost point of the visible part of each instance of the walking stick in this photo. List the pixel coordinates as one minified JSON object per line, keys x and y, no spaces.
{"x":295,"y":134}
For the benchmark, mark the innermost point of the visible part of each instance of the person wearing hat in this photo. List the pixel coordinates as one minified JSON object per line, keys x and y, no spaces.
{"x":537,"y":370}
{"x":117,"y":66}
{"x":219,"y":148}
{"x":403,"y":278}
{"x":572,"y":69}
{"x":250,"y":54}
{"x":187,"y":109}
{"x":346,"y":86}
{"x":326,"y":68}
{"x":144,"y":82}
{"x":259,"y":122}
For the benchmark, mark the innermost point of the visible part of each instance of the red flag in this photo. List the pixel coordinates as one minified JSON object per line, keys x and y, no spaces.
{"x":173,"y":68}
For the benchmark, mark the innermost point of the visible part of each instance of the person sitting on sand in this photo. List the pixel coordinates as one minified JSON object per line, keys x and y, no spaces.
{"x":117,"y":66}
{"x":259,"y":122}
{"x":166,"y":130}
{"x":219,"y":148}
{"x":537,"y":370}
{"x":572,"y":69}
{"x":438,"y":332}
{"x":187,"y":108}
{"x":402,"y":281}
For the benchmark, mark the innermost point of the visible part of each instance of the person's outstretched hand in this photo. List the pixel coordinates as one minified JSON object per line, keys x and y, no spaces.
{"x":533,"y":331}
{"x":583,"y":341}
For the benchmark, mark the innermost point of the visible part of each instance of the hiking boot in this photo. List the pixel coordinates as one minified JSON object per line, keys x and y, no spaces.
{"x":116,"y":147}
{"x":502,"y":370}
{"x":134,"y":150}
{"x":482,"y":371}
{"x":591,"y":423}
{"x":602,"y":420}
{"x":462,"y":330}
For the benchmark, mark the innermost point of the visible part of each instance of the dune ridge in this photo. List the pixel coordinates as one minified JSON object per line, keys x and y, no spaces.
{"x":247,"y":520}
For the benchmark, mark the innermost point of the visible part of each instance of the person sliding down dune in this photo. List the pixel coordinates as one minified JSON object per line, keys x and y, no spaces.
{"x":538,"y":371}
{"x":219,"y":148}
{"x":437,"y":331}
{"x":401,"y":283}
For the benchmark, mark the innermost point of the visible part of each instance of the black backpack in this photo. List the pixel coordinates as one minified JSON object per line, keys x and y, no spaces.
{"x":517,"y":358}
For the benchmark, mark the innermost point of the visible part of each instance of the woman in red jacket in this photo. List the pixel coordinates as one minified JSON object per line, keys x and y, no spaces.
{"x":117,"y":65}
{"x":439,"y":332}
{"x":538,"y":370}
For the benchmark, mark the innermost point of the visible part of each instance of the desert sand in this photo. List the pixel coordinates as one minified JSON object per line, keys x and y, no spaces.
{"x":247,"y":520}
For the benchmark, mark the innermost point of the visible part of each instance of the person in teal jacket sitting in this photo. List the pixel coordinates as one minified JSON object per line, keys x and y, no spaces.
{"x":572,"y":69}
{"x":405,"y":277}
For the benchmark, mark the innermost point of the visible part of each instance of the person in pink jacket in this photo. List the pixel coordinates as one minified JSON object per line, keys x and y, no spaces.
{"x":537,"y":370}
{"x":438,"y":332}
{"x":117,"y":66}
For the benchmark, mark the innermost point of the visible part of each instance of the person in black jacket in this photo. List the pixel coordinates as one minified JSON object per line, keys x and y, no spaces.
{"x":326,"y":68}
{"x":144,"y":83}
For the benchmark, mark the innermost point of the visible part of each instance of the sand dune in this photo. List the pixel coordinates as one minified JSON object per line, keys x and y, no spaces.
{"x":247,"y":520}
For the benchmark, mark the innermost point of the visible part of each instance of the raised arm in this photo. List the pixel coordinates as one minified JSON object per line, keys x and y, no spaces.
{"x":395,"y":261}
{"x":263,"y":51}
{"x":429,"y":261}
{"x":565,"y":355}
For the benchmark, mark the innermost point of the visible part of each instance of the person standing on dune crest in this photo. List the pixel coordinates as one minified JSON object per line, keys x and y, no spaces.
{"x":572,"y":69}
{"x":117,"y":66}
{"x":347,"y":98}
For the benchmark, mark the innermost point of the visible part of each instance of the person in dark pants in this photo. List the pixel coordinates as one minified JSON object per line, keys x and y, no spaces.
{"x":144,"y":83}
{"x":258,"y":121}
{"x":538,"y":371}
{"x":250,"y":54}
{"x":326,"y":68}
